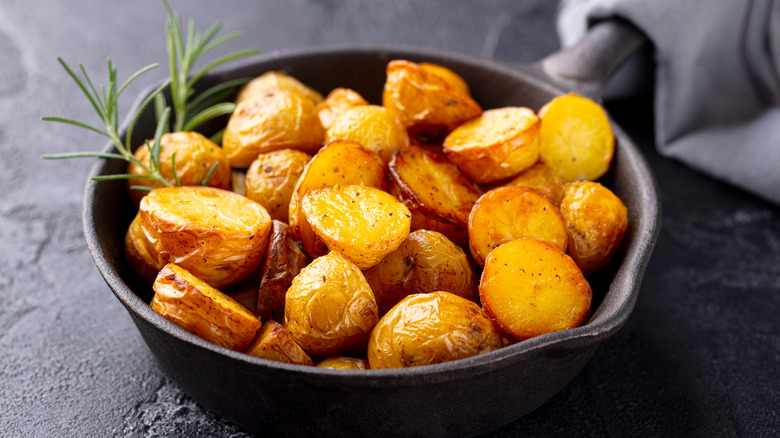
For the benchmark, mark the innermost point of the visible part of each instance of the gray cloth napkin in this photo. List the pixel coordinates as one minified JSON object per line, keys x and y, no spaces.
{"x":717,"y":81}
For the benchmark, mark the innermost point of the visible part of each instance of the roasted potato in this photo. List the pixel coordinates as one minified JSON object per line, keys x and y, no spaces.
{"x":576,"y":138}
{"x":275,"y":343}
{"x":195,"y":155}
{"x":271,"y":180}
{"x":274,"y":119}
{"x":283,"y":260}
{"x":543,"y":178}
{"x":426,"y":261}
{"x":497,"y":145}
{"x":596,"y":221}
{"x":448,"y":75}
{"x":343,"y":363}
{"x":139,"y":253}
{"x":509,"y":213}
{"x":529,"y":288}
{"x":373,"y":127}
{"x":238,"y":181}
{"x":339,"y":162}
{"x":330,"y":309}
{"x":277,"y":79}
{"x":217,"y":235}
{"x":431,"y":328}
{"x":192,"y":304}
{"x":361,"y":223}
{"x":338,"y":101}
{"x":438,"y":195}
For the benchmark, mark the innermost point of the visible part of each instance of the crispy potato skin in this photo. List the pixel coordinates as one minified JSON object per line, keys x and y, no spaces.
{"x":373,"y":127}
{"x":336,"y":362}
{"x":431,"y":328}
{"x":543,"y":178}
{"x":338,"y":101}
{"x":330,"y":309}
{"x":361,"y":223}
{"x":141,"y":256}
{"x":427,"y":261}
{"x":277,"y":79}
{"x":596,"y":221}
{"x":497,"y":145}
{"x":195,"y":306}
{"x":283,"y":260}
{"x":274,"y":119}
{"x":508,"y":213}
{"x":439,"y":196}
{"x":195,"y":154}
{"x":217,"y":235}
{"x":529,"y":288}
{"x":272,"y":177}
{"x":275,"y":343}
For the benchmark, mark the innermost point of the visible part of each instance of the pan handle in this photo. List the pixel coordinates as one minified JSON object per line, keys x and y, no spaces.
{"x":586,"y":67}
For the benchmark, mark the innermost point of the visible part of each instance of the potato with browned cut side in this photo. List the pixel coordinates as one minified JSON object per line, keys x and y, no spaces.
{"x":192,"y":304}
{"x":543,"y":178}
{"x":497,"y":145}
{"x":373,"y":127}
{"x":277,"y":79}
{"x":426,"y":261}
{"x":275,"y":343}
{"x":596,"y":221}
{"x":336,"y":362}
{"x":529,"y":288}
{"x":283,"y":260}
{"x":438,"y":195}
{"x":338,"y":101}
{"x":271,"y":179}
{"x":509,"y":213}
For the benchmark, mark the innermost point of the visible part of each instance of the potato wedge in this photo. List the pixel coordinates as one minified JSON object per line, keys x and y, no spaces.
{"x":343,"y":363}
{"x":283,"y":260}
{"x":431,"y":328}
{"x":338,"y":101}
{"x":373,"y":127}
{"x":217,"y":235}
{"x":139,"y":253}
{"x":277,"y":79}
{"x":426,"y":261}
{"x":508,"y":213}
{"x":576,"y":138}
{"x":596,"y":221}
{"x":272,"y":177}
{"x":529,"y":288}
{"x":339,"y":162}
{"x":330,"y":309}
{"x":438,"y":195}
{"x":497,"y":145}
{"x":190,"y":303}
{"x":361,"y":223}
{"x":275,"y":343}
{"x":543,"y":178}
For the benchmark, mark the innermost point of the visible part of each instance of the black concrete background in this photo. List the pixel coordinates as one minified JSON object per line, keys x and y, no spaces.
{"x":700,"y":356}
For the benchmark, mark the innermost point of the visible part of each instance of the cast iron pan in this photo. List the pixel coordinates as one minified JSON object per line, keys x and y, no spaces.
{"x":459,"y":398}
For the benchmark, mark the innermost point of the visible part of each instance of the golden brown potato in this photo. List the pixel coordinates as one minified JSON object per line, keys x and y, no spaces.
{"x":438,"y":195}
{"x":361,"y":223}
{"x":448,"y":75}
{"x":431,"y":328}
{"x":238,"y":181}
{"x":141,"y":256}
{"x":575,"y":137}
{"x":330,"y":309}
{"x":190,"y":303}
{"x":425,"y":262}
{"x":283,"y":260}
{"x":338,"y":101}
{"x":498,"y":144}
{"x":596,"y":221}
{"x":271,"y":120}
{"x":217,"y":235}
{"x":509,"y":213}
{"x":340,"y":162}
{"x":275,"y":343}
{"x":428,"y":105}
{"x":277,"y":79}
{"x":529,"y":288}
{"x":543,"y":178}
{"x":272,"y":177}
{"x":195,"y":155}
{"x":373,"y":127}
{"x":343,"y":363}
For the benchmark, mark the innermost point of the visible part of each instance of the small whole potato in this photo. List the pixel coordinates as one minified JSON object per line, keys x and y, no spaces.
{"x":372,"y":127}
{"x":271,"y":179}
{"x":277,"y":79}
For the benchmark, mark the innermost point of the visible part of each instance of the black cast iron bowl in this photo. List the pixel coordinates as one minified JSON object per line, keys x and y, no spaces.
{"x":460,"y":398}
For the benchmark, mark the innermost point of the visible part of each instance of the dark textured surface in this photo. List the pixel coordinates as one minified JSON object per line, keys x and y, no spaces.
{"x":700,"y":356}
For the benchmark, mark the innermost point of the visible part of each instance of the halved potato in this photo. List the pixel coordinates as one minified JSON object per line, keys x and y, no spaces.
{"x":190,"y":303}
{"x":508,"y":213}
{"x":438,"y":195}
{"x":338,"y":101}
{"x":596,"y":221}
{"x":277,"y":79}
{"x":283,"y":260}
{"x":529,"y":288}
{"x":373,"y":127}
{"x":498,"y":144}
{"x":543,"y":178}
{"x":431,"y":328}
{"x":330,"y":309}
{"x":217,"y":235}
{"x":272,"y":177}
{"x":426,"y":261}
{"x":139,"y":253}
{"x":361,"y":223}
{"x":275,"y":343}
{"x":576,"y":138}
{"x":343,"y":363}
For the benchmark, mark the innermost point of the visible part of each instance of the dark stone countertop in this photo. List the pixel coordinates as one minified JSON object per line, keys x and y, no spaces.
{"x":700,"y":356}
